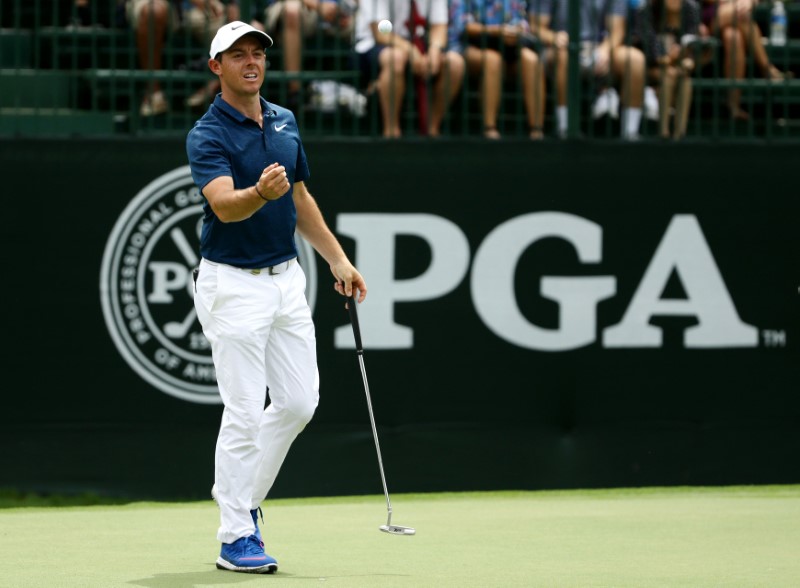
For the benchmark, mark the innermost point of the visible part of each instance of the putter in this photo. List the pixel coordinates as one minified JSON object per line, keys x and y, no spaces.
{"x":388,"y":527}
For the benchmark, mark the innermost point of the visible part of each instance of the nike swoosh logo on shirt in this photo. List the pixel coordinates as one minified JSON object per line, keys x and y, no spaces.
{"x":280,"y":128}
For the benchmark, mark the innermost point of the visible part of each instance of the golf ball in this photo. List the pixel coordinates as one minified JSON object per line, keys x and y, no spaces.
{"x":385,"y":27}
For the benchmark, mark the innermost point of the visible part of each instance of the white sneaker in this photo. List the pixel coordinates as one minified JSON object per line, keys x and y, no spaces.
{"x":607,"y":102}
{"x":631,"y":136}
{"x":602,"y":104}
{"x":650,"y":103}
{"x":154,"y":104}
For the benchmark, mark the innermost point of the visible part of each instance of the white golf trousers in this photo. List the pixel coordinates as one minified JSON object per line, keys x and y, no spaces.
{"x":262,"y":336}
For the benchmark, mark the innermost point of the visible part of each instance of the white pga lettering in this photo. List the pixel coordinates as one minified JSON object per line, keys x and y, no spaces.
{"x":683,"y":250}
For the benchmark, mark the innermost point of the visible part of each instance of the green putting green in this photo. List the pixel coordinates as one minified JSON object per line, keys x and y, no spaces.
{"x":666,"y":537}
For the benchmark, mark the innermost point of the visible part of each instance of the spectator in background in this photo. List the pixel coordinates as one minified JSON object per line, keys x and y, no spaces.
{"x":667,"y":29}
{"x":555,"y":54}
{"x":290,"y":22}
{"x":382,"y":66}
{"x":420,"y":29}
{"x":204,"y":18}
{"x":152,"y":20}
{"x":496,"y":41}
{"x":732,"y":21}
{"x":603,"y":54}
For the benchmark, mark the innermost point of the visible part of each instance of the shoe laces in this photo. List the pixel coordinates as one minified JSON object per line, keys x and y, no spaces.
{"x":258,"y":513}
{"x":253,"y":546}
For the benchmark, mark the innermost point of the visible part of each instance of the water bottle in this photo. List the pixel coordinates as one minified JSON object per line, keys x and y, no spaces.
{"x":777,"y":25}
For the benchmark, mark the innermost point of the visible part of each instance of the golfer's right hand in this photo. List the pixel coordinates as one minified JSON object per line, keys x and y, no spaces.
{"x":273,"y":182}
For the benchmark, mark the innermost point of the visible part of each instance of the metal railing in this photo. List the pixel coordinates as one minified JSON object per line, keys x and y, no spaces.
{"x":72,"y":67}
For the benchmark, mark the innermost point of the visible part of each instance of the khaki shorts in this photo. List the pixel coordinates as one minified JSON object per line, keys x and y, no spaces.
{"x":199,"y":24}
{"x":202,"y":26}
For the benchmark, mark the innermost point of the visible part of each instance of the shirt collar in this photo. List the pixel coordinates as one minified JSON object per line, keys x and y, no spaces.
{"x":235,"y":114}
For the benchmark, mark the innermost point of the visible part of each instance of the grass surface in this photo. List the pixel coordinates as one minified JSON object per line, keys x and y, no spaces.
{"x":693,"y":537}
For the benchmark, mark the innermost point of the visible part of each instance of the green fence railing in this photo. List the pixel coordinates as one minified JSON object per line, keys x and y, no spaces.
{"x":74,"y":68}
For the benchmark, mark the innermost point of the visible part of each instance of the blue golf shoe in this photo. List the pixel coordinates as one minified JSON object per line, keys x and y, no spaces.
{"x":247,"y":555}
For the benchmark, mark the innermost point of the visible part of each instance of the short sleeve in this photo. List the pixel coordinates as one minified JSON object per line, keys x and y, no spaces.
{"x":208,"y":158}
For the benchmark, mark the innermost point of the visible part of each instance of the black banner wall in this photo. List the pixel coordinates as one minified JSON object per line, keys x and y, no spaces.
{"x":551,"y":315}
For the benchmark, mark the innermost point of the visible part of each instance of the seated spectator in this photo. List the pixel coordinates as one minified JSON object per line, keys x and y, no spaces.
{"x":496,"y":41}
{"x":603,"y":54}
{"x":382,"y":66}
{"x":290,"y":22}
{"x":152,"y":20}
{"x":732,"y":21}
{"x":420,"y":29}
{"x":668,"y":30}
{"x":204,"y":18}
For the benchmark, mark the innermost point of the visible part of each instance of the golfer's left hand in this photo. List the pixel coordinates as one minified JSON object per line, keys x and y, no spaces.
{"x":349,"y":281}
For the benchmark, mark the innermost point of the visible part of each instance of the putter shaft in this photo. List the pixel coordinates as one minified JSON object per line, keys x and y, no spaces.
{"x":375,"y":434}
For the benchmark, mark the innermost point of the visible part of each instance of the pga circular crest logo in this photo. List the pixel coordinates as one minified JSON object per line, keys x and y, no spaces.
{"x":146,"y":288}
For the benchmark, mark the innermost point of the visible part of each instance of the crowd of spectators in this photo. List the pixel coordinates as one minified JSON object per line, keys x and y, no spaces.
{"x":629,"y":51}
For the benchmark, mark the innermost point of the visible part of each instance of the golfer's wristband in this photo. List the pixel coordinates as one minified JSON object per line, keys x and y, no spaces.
{"x":259,"y":193}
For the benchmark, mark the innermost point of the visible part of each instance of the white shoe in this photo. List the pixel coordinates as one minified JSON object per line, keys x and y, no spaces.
{"x":630,"y":136}
{"x":607,"y":102}
{"x":154,"y":104}
{"x":650,"y":103}
{"x":602,"y":104}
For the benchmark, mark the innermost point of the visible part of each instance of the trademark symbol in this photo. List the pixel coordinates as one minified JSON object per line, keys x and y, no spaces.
{"x":773,"y":338}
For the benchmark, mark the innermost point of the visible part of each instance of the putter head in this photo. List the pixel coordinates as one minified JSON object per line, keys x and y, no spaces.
{"x":398,"y":530}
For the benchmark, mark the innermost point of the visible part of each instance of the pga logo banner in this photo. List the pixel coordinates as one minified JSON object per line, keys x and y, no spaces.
{"x":146,"y":288}
{"x":146,"y":285}
{"x":683,"y":249}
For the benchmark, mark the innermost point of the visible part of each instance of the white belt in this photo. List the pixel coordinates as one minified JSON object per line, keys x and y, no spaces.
{"x":273,"y":270}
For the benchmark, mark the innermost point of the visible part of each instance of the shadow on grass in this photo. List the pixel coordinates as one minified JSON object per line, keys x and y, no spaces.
{"x":216,"y":577}
{"x":12,"y":498}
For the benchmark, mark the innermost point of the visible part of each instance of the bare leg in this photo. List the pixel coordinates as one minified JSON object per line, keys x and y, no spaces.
{"x":562,"y":62}
{"x":533,"y":91}
{"x":150,"y":35}
{"x":445,"y":89}
{"x":666,"y":99}
{"x":684,"y":104}
{"x":292,"y":40}
{"x":391,"y":87}
{"x":734,"y":66}
{"x":755,"y":40}
{"x":489,"y":65}
{"x":628,"y":63}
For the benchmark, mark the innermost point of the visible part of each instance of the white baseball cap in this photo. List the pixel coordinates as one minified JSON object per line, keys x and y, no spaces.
{"x":233,"y":31}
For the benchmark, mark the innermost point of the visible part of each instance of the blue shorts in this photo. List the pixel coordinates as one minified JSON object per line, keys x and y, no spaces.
{"x":368,"y":65}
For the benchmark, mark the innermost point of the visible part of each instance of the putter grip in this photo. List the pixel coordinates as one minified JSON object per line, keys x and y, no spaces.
{"x":351,"y":307}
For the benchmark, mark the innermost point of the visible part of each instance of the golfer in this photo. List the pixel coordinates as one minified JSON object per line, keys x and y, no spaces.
{"x":247,"y":158}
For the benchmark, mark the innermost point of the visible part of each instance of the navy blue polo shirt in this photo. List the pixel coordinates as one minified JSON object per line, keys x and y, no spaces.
{"x":226,"y":143}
